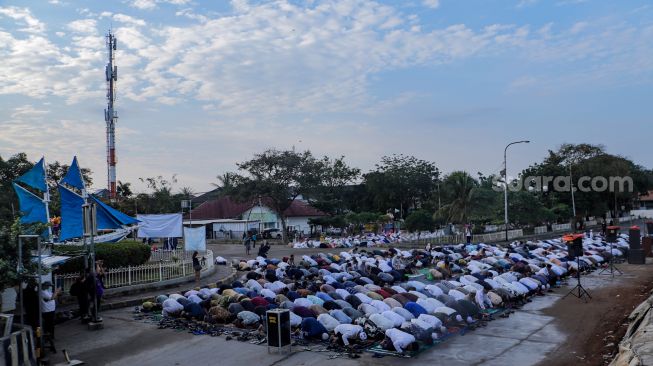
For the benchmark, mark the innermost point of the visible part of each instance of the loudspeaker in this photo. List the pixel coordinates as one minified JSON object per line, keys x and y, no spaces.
{"x":611,"y":234}
{"x":636,"y":256}
{"x":634,"y":238}
{"x":575,"y":246}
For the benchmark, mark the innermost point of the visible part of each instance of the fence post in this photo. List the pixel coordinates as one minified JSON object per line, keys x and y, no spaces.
{"x":160,"y":272}
{"x":183,"y":268}
{"x":129,"y":274}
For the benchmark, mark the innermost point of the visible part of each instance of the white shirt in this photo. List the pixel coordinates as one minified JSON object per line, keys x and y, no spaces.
{"x":394,"y":317}
{"x":47,"y":301}
{"x":329,"y":322}
{"x":382,"y":322}
{"x":348,"y":331}
{"x":404,"y":313}
{"x":380,"y":305}
{"x":456,"y":294}
{"x":400,"y":340}
{"x":433,"y":321}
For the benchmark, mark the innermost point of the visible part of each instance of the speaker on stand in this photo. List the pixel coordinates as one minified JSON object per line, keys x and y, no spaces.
{"x":611,"y":237}
{"x":575,"y":249}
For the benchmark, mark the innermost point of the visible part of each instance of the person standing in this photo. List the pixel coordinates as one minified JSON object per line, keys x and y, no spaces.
{"x":79,"y":291}
{"x":197,"y":267}
{"x":48,"y":307}
{"x":468,"y":234}
{"x":254,"y":240}
{"x":247,"y":244}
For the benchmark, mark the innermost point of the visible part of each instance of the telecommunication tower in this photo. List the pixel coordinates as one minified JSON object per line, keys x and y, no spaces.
{"x":110,"y":115}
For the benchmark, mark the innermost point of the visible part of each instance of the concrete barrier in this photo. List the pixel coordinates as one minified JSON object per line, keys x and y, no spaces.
{"x":636,"y":348}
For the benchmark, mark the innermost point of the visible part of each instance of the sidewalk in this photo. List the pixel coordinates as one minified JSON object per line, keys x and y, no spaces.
{"x":222,"y":274}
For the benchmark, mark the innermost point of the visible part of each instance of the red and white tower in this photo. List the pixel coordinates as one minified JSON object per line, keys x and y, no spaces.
{"x":111,"y":116}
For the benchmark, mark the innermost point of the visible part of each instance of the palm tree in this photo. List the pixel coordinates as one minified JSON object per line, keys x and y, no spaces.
{"x":124,"y":189}
{"x":226,"y":182}
{"x":460,"y":187}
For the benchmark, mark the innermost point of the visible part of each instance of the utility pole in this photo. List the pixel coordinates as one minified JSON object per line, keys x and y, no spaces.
{"x":111,"y":116}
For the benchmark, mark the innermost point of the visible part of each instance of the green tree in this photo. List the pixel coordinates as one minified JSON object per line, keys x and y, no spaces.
{"x":420,"y":220}
{"x":459,"y":188}
{"x":401,"y":182}
{"x":335,"y":177}
{"x":280,"y":176}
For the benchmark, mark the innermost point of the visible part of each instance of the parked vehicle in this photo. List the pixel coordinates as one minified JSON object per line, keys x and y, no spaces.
{"x":272,"y":234}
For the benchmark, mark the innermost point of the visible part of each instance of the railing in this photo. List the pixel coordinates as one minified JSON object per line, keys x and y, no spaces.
{"x":540,"y":230}
{"x":158,"y":271}
{"x":170,"y":255}
{"x":498,"y":236}
{"x":561,"y":227}
{"x":590,"y":223}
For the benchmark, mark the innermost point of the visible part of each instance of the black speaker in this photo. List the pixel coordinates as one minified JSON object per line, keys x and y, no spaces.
{"x":278,"y":327}
{"x":574,"y":245}
{"x":611,"y":234}
{"x":634,"y":238}
{"x":636,"y":256}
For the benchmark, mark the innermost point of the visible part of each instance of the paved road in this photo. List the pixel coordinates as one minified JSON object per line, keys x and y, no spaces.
{"x":524,"y":338}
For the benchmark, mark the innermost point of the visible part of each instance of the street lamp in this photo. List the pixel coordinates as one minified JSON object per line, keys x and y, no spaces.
{"x":505,"y":181}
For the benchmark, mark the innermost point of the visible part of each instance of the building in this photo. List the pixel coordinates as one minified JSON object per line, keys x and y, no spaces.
{"x":227,"y":218}
{"x":644,"y":206}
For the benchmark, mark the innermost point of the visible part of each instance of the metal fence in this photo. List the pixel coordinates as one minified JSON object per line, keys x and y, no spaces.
{"x":155,"y":271}
{"x":561,"y":227}
{"x":498,"y":236}
{"x":540,"y":230}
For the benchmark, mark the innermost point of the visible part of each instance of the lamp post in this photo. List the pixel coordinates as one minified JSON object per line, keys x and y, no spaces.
{"x":505,"y":180}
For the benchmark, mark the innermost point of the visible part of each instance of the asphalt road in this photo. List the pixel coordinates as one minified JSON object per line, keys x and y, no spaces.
{"x":525,"y":338}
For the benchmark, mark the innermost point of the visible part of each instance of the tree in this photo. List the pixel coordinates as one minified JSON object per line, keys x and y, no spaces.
{"x":280,"y":177}
{"x":226,"y":183}
{"x":335,"y":176}
{"x":420,"y":220}
{"x":459,"y":190}
{"x":124,"y":190}
{"x":401,"y":182}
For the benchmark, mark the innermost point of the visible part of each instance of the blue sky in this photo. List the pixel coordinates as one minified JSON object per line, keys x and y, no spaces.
{"x":203,"y":85}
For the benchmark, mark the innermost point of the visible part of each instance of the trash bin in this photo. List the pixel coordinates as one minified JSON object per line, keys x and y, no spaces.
{"x":278,"y":328}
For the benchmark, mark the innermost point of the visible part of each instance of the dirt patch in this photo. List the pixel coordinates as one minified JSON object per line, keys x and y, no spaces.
{"x":595,"y":328}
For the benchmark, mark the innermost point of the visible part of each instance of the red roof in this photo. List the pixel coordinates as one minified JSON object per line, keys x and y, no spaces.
{"x":227,"y":208}
{"x":647,"y":197}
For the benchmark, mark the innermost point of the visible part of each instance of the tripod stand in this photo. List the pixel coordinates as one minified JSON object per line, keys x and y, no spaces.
{"x":579,"y":291}
{"x":611,"y":268}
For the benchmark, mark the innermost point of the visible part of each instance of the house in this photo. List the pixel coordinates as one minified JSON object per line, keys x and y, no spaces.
{"x":644,"y":206}
{"x":225,"y":215}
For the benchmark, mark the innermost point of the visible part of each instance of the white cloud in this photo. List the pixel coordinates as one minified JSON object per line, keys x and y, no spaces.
{"x":152,"y":4}
{"x":524,"y":3}
{"x":28,"y":112}
{"x":83,"y":26}
{"x":123,"y":18}
{"x":578,"y":27}
{"x":25,"y":16}
{"x":433,"y":4}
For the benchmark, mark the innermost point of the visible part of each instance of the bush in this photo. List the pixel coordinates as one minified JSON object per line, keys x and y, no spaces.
{"x":122,"y":254}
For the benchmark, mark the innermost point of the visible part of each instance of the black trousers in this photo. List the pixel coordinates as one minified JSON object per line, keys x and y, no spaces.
{"x":48,"y":323}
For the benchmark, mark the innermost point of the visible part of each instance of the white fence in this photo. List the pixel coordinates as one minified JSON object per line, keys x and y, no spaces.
{"x":540,"y":230}
{"x":161,"y":270}
{"x":561,"y":227}
{"x":498,"y":236}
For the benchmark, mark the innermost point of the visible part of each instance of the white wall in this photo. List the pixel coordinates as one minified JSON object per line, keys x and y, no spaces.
{"x":301,"y":221}
{"x":642,"y":213}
